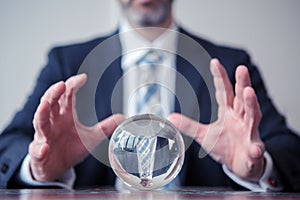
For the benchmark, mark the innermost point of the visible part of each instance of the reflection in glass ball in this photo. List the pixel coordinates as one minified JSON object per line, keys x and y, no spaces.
{"x":146,"y":152}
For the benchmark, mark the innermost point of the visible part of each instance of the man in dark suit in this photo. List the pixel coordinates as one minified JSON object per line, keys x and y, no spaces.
{"x":247,"y":139}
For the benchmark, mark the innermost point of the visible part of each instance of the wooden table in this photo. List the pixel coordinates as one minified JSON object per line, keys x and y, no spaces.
{"x":108,"y":193}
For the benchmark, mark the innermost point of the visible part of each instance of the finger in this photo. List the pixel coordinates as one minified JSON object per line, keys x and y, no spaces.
{"x":38,"y":151}
{"x":242,"y":81}
{"x":38,"y":157}
{"x":76,"y":82}
{"x":41,"y":121}
{"x":224,"y":91}
{"x":72,"y":85}
{"x":48,"y":94}
{"x":252,"y":112}
{"x":55,"y":95}
{"x":52,"y":96}
{"x":188,"y":126}
{"x":256,"y":162}
{"x":256,"y":150}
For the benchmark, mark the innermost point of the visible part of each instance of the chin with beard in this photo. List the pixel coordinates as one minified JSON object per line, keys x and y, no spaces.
{"x":149,"y":19}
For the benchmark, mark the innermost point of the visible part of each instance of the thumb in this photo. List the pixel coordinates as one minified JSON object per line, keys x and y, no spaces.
{"x":92,"y":136}
{"x":188,"y":126}
{"x":106,"y":127}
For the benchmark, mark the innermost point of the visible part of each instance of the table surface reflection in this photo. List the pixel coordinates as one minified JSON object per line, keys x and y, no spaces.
{"x":109,"y":193}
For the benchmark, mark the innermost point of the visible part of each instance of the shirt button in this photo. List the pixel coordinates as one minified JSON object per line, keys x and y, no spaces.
{"x":4,"y":168}
{"x":272,"y":182}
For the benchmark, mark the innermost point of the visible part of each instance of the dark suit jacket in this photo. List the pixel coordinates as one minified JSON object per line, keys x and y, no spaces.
{"x":281,"y":143}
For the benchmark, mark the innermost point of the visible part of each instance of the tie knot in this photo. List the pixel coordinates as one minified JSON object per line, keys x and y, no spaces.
{"x":152,"y":57}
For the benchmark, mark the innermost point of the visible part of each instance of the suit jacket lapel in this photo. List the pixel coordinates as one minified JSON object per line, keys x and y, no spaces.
{"x":110,"y":86}
{"x":193,"y":79}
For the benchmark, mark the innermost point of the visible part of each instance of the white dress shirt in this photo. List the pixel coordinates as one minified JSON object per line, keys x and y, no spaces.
{"x":133,"y":47}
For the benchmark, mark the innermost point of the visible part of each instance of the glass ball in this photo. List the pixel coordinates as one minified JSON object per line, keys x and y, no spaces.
{"x":146,"y":152}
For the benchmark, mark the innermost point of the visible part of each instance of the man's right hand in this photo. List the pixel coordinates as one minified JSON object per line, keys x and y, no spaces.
{"x":60,"y":140}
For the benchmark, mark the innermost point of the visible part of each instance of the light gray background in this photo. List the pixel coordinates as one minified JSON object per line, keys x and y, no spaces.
{"x":268,"y":29}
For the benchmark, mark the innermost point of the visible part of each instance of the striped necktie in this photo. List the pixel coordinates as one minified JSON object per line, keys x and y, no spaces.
{"x":148,"y":101}
{"x":148,"y":94}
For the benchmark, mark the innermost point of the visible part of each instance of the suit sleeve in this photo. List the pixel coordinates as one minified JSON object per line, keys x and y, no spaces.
{"x":15,"y":139}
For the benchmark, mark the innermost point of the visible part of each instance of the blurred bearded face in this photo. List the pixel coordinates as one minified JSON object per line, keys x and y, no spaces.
{"x":147,"y":13}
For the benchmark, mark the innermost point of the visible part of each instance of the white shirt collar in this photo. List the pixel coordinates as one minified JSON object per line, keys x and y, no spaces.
{"x":133,"y":43}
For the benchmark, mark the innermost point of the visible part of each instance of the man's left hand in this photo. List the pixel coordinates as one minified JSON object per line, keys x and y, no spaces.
{"x":234,"y":138}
